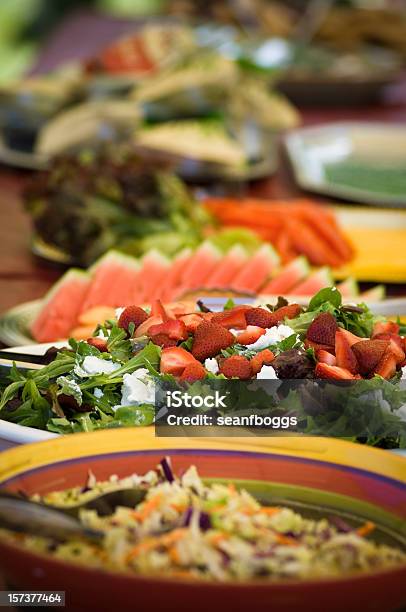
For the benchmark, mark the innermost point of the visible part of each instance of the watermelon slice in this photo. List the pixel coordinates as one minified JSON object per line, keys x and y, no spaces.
{"x":319,"y":279}
{"x":61,"y":307}
{"x":113,"y":275}
{"x":349,"y":287}
{"x":153,"y":271}
{"x":288,"y":277}
{"x":169,"y":287}
{"x":376,"y":294}
{"x":256,"y":271}
{"x":205,"y":259}
{"x":227,"y":269}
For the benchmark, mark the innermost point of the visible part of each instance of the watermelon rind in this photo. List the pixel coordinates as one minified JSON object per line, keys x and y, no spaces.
{"x":348,"y":287}
{"x":376,"y":294}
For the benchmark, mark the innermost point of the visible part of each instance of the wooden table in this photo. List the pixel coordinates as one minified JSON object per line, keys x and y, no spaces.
{"x":23,"y":277}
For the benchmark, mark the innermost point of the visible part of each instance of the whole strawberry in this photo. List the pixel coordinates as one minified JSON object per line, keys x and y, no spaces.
{"x":210,"y":339}
{"x":193,"y":372}
{"x":236,"y":366}
{"x":259,"y":317}
{"x":132,"y":314}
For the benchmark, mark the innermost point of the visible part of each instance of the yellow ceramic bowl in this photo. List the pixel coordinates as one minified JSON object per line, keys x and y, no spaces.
{"x":327,"y":473}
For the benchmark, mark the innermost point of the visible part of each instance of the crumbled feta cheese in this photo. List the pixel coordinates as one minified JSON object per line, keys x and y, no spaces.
{"x":119,"y":312}
{"x":102,"y":335}
{"x":403,"y":377}
{"x":70,"y":387}
{"x":92,"y":366}
{"x":271,"y":336}
{"x":211,"y":365}
{"x":138,"y":388}
{"x":267,"y":373}
{"x":98,"y":393}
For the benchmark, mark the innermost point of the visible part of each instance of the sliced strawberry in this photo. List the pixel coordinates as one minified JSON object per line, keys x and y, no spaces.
{"x":174,"y":360}
{"x":323,"y":329}
{"x":259,"y":317}
{"x":210,"y":339}
{"x":291,"y":311}
{"x":173,"y":328}
{"x":250,"y":335}
{"x":192,"y":372}
{"x":351,"y":338}
{"x":142,"y":330}
{"x":264,"y":357}
{"x":388,"y":336}
{"x":318,"y":347}
{"x":236,"y":366}
{"x":387,"y":365}
{"x":230,"y":319}
{"x":132,"y":314}
{"x":99,"y":343}
{"x":368,"y":354}
{"x":163,"y":341}
{"x":396,"y":351}
{"x":385,"y":327}
{"x":325,"y":357}
{"x":158,"y":310}
{"x":344,"y":354}
{"x":192,"y":321}
{"x":323,"y":370}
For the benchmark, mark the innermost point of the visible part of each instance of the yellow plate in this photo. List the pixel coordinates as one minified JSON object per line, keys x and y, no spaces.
{"x":379,"y":237}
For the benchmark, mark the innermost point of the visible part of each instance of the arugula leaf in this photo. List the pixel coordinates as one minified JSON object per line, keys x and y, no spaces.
{"x":11,"y":392}
{"x":134,"y":416}
{"x":118,"y":345}
{"x":329,"y":295}
{"x":229,"y":304}
{"x":187,"y":344}
{"x":292,"y":341}
{"x":68,"y":386}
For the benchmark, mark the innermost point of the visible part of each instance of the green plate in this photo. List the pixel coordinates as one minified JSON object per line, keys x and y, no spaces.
{"x":361,"y":162}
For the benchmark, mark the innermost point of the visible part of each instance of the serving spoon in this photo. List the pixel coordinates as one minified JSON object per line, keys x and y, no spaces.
{"x":23,"y":515}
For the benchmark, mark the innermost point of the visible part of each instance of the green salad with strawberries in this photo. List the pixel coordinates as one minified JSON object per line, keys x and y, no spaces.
{"x":110,"y":380}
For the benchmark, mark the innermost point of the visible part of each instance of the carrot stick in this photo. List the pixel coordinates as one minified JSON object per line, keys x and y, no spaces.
{"x":329,"y":231}
{"x":365,"y":529}
{"x":306,"y":241}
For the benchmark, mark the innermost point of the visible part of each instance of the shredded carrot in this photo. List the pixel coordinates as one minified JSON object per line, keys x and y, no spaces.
{"x":286,"y":540}
{"x":270,"y":510}
{"x":365,"y":529}
{"x":147,"y":507}
{"x":144,"y":546}
{"x":178,"y":507}
{"x":216,"y":538}
{"x":174,"y":555}
{"x":173,"y":536}
{"x":149,"y":543}
{"x":247,"y":510}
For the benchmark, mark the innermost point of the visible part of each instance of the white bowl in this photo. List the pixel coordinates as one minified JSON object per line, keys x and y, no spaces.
{"x":12,"y":434}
